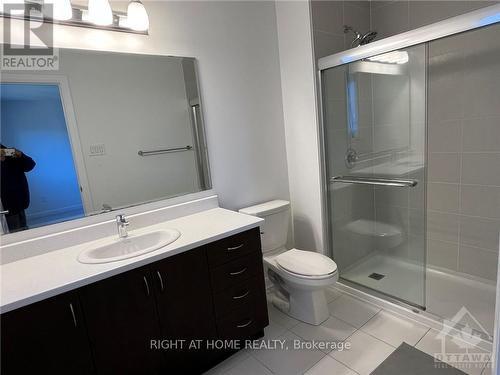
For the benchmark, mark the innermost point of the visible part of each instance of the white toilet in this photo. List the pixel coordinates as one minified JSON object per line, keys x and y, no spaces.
{"x":300,"y":277}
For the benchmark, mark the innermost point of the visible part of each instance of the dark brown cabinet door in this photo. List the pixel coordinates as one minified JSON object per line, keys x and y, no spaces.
{"x":46,"y":337}
{"x":184,"y":300}
{"x":122,"y":320}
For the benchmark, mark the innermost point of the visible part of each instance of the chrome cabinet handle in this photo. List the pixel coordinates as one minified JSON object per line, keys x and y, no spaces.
{"x":235,"y":247}
{"x":73,"y":314}
{"x":238,"y":272}
{"x":162,"y":286}
{"x":242,"y":295}
{"x":146,"y":284}
{"x":245,"y":324}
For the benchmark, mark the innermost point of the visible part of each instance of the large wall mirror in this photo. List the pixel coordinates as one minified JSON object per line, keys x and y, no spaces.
{"x":103,"y":132}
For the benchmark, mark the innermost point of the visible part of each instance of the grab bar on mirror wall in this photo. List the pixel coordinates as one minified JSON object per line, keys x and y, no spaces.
{"x":375,"y":181}
{"x":164,"y":151}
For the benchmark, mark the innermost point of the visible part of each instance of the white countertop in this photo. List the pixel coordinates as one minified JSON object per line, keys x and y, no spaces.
{"x":39,"y":277}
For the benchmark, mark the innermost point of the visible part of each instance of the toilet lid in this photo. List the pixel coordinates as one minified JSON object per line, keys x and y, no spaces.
{"x":307,"y":263}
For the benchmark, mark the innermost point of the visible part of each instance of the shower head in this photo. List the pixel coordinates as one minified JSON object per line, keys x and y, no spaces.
{"x":360,"y":39}
{"x":368,"y":37}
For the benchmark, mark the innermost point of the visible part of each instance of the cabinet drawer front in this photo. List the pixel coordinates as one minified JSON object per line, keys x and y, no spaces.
{"x":246,"y":294}
{"x":233,"y":247}
{"x":243,"y":323}
{"x":235,"y":272}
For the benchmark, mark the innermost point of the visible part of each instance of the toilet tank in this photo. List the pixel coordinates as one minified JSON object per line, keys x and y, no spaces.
{"x":276,"y":215}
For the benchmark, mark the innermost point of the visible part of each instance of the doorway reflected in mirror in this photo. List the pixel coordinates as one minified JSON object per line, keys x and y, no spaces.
{"x":39,"y":184}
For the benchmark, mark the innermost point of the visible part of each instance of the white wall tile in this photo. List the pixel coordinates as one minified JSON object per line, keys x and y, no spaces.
{"x":481,"y":134}
{"x":444,"y":167}
{"x":443,"y":197}
{"x":327,"y":16}
{"x":390,"y":18}
{"x":442,"y":226}
{"x":479,"y":232}
{"x":481,"y":168}
{"x":442,"y":254}
{"x":445,"y":136}
{"x":483,"y":201}
{"x":478,"y":262}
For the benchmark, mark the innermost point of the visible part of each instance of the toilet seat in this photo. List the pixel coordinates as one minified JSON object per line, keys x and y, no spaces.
{"x":306,"y":264}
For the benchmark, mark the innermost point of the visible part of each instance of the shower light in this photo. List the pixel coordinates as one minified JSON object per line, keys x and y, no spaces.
{"x":99,"y":12}
{"x":137,"y":17}
{"x":61,"y":9}
{"x":395,"y":57}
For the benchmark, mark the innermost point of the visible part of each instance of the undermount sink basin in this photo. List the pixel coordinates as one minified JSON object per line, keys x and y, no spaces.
{"x":112,"y":250}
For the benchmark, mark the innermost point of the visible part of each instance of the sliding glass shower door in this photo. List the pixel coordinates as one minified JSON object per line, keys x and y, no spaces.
{"x":374,"y":116}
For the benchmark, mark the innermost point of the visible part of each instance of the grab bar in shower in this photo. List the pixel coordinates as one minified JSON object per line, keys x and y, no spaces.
{"x":375,"y":181}
{"x":164,"y":151}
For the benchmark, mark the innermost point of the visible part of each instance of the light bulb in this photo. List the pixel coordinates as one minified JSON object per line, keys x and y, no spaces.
{"x":61,"y":9}
{"x":100,"y":13}
{"x":14,"y":7}
{"x":137,"y":17}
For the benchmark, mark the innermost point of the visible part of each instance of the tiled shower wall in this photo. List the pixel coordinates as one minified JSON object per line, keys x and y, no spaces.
{"x":386,"y":17}
{"x":328,"y":20}
{"x":463,"y":208}
{"x":463,"y":217}
{"x":464,"y":126}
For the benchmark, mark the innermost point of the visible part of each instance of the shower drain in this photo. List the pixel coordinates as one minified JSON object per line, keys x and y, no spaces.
{"x":376,"y":276}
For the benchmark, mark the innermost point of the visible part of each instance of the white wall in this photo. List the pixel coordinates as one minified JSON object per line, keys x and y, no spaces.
{"x":300,"y":114}
{"x":237,"y":50}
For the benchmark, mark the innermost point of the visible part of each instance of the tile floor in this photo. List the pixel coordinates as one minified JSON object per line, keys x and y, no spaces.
{"x":372,"y":332}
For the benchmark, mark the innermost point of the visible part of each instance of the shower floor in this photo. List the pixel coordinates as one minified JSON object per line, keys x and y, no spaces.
{"x":446,"y":293}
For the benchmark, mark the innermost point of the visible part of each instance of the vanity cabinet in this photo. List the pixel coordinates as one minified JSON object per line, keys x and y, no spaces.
{"x":236,"y":272}
{"x":121,"y":320}
{"x":46,"y":337}
{"x":210,"y":293}
{"x":185,"y":306}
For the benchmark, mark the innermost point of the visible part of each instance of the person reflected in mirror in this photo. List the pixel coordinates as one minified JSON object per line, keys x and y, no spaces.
{"x":14,"y":191}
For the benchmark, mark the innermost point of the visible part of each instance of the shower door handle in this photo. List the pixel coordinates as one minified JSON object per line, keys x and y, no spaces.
{"x":375,"y":181}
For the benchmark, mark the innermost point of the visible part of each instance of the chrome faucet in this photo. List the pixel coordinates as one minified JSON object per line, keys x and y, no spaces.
{"x":122,"y":223}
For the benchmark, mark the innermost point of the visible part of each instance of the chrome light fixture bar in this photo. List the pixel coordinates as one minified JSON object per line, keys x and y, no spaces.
{"x":46,"y":11}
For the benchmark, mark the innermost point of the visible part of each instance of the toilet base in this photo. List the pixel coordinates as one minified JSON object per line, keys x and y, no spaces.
{"x":302,"y":299}
{"x":307,"y":306}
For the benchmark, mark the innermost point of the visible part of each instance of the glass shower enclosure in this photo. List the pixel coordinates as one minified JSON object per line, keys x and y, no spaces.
{"x":374,"y":135}
{"x":410,"y":153}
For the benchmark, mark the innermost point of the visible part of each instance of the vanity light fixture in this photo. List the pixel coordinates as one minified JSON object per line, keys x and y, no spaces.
{"x":61,"y":9}
{"x":98,"y":14}
{"x":137,"y":17}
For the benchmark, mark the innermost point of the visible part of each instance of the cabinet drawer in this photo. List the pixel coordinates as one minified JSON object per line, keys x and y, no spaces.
{"x":233,"y":247}
{"x":234,"y":272}
{"x":243,"y":323}
{"x":246,"y":294}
